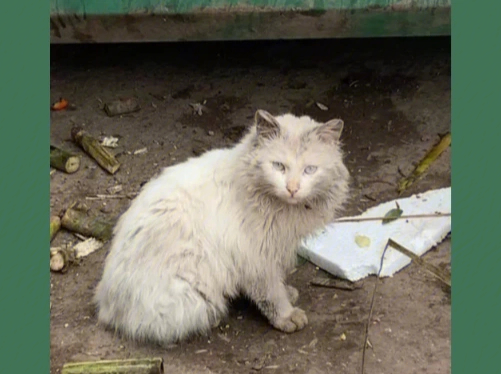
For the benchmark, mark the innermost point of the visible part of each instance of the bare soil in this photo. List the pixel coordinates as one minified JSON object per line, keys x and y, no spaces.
{"x":394,"y":96}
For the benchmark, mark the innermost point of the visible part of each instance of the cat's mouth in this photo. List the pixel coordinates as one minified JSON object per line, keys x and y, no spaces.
{"x":292,"y":200}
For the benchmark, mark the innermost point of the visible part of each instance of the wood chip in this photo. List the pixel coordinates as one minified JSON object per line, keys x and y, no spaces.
{"x":322,"y":106}
{"x":87,"y":247}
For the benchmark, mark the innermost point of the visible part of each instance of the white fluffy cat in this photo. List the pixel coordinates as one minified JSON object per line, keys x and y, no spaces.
{"x":226,"y":223}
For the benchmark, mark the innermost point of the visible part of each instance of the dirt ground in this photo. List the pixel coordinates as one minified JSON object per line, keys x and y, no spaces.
{"x":394,"y":96}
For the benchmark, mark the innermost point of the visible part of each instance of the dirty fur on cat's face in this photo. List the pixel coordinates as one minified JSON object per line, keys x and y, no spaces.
{"x":295,"y":158}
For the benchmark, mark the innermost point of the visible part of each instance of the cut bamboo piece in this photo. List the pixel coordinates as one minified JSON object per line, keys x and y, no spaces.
{"x":61,"y":258}
{"x":77,"y":219}
{"x":55,"y":225}
{"x":425,"y":163}
{"x":93,"y":148}
{"x":63,"y":160}
{"x":131,"y":366}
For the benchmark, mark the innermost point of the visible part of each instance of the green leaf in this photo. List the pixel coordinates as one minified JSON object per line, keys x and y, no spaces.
{"x":392,"y":215}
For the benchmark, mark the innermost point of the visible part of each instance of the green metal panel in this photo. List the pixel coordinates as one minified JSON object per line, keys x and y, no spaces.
{"x":176,"y":20}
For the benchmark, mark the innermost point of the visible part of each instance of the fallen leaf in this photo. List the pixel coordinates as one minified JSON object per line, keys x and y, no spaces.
{"x":342,"y":337}
{"x":362,"y":241}
{"x":60,"y":105}
{"x":392,"y":214}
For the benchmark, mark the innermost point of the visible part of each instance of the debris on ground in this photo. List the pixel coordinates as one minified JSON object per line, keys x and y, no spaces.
{"x":200,"y":147}
{"x":60,"y":105}
{"x":198,"y":107}
{"x":63,"y":160}
{"x":87,"y":247}
{"x":115,"y":189}
{"x":55,"y":225}
{"x":61,"y":258}
{"x":77,"y":219}
{"x":110,"y":142}
{"x":334,"y":283}
{"x":122,"y":106}
{"x":425,"y":163}
{"x":136,"y":366}
{"x":93,"y":148}
{"x":112,"y":196}
{"x":426,"y":223}
{"x":140,"y":151}
{"x":322,"y":106}
{"x":441,"y":274}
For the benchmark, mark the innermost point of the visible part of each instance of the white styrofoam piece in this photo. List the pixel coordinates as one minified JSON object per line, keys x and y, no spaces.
{"x":335,"y":251}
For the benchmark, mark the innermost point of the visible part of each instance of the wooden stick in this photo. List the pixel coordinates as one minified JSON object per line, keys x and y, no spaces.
{"x":63,"y":160}
{"x":131,"y":366}
{"x":435,"y":215}
{"x":55,"y":225}
{"x":77,"y":219}
{"x":439,"y":273}
{"x":366,"y":334}
{"x":103,"y":157}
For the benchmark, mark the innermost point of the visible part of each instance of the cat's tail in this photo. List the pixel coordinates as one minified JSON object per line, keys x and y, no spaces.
{"x":163,"y":314}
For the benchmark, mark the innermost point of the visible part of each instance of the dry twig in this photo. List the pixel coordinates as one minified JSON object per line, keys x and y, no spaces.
{"x":366,"y":337}
{"x":411,"y":216}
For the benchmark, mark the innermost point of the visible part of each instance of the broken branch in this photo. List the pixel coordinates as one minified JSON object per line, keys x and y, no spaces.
{"x":76,"y":219}
{"x":55,"y":225}
{"x":425,"y":163}
{"x":135,"y":366}
{"x":63,"y":160}
{"x":103,"y":157}
{"x":439,"y":273}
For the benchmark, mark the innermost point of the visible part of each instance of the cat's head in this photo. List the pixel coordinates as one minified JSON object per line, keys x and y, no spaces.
{"x":296,"y":158}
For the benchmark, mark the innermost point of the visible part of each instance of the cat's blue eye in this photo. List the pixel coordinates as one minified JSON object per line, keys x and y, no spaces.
{"x":310,"y":169}
{"x":278,"y":166}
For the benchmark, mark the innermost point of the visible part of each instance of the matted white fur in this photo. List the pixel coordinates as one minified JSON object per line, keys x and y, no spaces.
{"x":226,"y":223}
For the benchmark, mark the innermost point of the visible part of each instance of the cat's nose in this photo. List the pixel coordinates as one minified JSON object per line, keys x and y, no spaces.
{"x":292,"y":190}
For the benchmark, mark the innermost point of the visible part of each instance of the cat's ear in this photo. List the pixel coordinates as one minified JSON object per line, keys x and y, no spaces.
{"x":267,"y":126}
{"x":330,"y":131}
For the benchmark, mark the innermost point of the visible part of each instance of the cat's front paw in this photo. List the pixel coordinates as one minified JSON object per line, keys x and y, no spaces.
{"x":296,"y":321}
{"x":293,"y":294}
